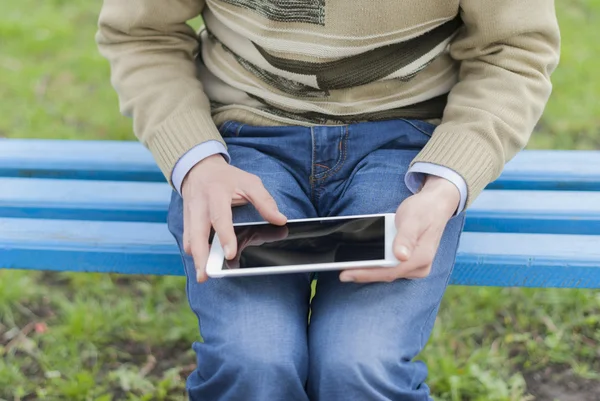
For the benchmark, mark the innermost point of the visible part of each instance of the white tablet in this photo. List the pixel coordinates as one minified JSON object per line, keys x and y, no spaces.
{"x":307,"y":245}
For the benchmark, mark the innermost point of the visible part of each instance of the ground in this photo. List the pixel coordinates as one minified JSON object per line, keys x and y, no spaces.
{"x":102,"y":337}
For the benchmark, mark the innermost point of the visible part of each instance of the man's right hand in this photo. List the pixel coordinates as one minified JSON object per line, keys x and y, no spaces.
{"x":209,"y":191}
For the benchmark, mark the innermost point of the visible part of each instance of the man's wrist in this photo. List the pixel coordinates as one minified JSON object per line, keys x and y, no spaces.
{"x":446,"y":193}
{"x":212,"y":159}
{"x":415,"y":178}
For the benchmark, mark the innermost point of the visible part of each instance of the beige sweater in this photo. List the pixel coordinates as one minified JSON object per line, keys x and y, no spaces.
{"x":482,"y":66}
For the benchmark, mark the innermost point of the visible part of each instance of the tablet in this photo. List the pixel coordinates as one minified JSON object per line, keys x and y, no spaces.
{"x":307,"y":245}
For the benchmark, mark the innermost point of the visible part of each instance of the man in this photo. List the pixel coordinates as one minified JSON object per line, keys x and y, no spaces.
{"x":326,"y":107}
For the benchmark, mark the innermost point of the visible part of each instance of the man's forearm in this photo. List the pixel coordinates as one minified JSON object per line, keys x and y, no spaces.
{"x":152,"y":52}
{"x":507,"y":50}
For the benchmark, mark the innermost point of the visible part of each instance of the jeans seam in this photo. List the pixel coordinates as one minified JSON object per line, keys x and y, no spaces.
{"x":187,"y":285}
{"x":312,"y":167}
{"x":239,"y":128}
{"x":421,"y":342}
{"x":338,"y":166}
{"x":222,"y":125}
{"x":187,"y":279}
{"x":187,"y":282}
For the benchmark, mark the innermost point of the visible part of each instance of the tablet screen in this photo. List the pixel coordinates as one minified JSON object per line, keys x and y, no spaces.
{"x":310,"y":242}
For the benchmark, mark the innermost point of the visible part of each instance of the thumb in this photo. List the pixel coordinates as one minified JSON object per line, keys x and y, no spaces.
{"x":409,"y":228}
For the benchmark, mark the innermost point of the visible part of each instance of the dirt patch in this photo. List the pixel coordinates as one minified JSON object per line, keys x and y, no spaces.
{"x":558,"y":383}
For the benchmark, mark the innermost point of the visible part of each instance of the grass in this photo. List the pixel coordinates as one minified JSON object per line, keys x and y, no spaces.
{"x":102,"y":337}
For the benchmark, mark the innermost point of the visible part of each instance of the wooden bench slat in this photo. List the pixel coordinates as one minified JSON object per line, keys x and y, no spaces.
{"x":130,"y":161}
{"x":545,"y":212}
{"x":84,"y":199}
{"x":69,"y":159}
{"x":528,"y":260}
{"x":499,"y":259}
{"x":563,"y":170}
{"x":91,"y":246}
{"x":556,"y":212}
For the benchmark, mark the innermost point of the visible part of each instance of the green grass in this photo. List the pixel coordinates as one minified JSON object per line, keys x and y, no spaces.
{"x":572,"y":117}
{"x":102,"y":337}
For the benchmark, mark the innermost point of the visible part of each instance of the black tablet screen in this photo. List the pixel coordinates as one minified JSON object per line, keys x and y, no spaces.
{"x":310,"y":242}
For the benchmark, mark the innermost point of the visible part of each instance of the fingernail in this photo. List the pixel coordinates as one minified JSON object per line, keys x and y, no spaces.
{"x":402,"y":250}
{"x":198,"y":275}
{"x":227,"y":251}
{"x":347,"y":279}
{"x":282,"y":215}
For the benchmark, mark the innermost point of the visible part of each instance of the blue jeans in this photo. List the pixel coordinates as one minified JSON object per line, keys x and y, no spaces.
{"x":362,"y":339}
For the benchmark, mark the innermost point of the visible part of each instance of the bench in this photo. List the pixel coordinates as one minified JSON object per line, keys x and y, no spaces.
{"x":100,"y":206}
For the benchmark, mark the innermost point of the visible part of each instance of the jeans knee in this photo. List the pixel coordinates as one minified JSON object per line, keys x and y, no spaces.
{"x":272,"y":363}
{"x":255,"y":364}
{"x":242,"y":372}
{"x":370,"y":373}
{"x":352,"y":366}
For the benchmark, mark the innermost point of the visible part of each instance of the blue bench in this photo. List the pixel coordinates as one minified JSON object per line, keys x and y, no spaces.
{"x":100,"y":206}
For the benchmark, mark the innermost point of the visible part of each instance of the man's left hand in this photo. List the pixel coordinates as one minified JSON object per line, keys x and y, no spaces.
{"x":420,"y":222}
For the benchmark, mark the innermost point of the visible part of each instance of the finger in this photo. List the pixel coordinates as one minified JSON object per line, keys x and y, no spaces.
{"x":245,"y":237}
{"x":244,"y":240}
{"x":255,"y":191}
{"x":219,"y":206}
{"x":421,"y":260}
{"x":256,"y":237}
{"x":409,"y":228}
{"x":425,"y":251}
{"x":370,"y":275}
{"x":417,"y":265}
{"x":199,"y":233}
{"x":418,"y":268}
{"x":238,"y":200}
{"x":235,"y":262}
{"x":200,"y":255}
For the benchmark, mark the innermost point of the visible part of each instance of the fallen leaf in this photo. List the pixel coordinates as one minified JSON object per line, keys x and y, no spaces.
{"x":40,"y":328}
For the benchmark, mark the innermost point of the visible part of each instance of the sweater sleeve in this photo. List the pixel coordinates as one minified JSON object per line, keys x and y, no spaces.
{"x":152,"y":50}
{"x":507,"y":50}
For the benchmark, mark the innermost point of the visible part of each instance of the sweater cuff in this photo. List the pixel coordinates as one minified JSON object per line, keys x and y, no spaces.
{"x":471,"y":156}
{"x":415,"y":177}
{"x":178,"y":134}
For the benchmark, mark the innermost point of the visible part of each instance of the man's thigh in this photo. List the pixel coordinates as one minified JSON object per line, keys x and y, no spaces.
{"x":382,"y":326}
{"x":250,"y":317}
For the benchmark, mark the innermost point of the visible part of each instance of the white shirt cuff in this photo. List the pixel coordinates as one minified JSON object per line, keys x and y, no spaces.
{"x":194,"y":156}
{"x":416,"y":174}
